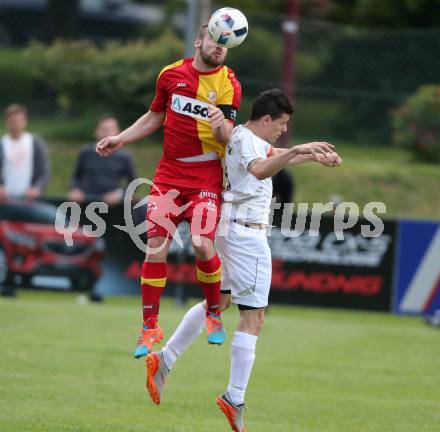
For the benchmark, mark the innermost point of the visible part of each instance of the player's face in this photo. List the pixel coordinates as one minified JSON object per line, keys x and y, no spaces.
{"x":16,"y":124}
{"x":212,"y":54}
{"x":275,"y":128}
{"x":107,"y":127}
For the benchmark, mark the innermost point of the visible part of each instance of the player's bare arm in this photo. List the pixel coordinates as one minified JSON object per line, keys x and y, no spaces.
{"x":221,"y":128}
{"x":142,"y":127}
{"x":331,"y":158}
{"x":264,"y":168}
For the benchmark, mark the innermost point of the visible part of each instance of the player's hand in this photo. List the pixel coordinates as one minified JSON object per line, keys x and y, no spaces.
{"x":113,"y":197}
{"x":33,"y":192}
{"x":216,"y":117}
{"x":109,"y":145}
{"x":3,"y":193}
{"x":315,"y":148}
{"x":330,"y":160}
{"x":76,"y":195}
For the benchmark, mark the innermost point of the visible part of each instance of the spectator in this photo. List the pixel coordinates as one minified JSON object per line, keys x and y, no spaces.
{"x":24,"y":161}
{"x":283,"y":187}
{"x":97,"y":177}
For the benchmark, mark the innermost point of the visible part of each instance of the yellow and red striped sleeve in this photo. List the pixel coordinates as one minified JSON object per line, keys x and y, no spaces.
{"x":230,"y":99}
{"x":160,"y":100}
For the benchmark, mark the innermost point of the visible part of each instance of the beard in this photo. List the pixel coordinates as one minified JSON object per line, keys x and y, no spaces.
{"x":210,"y":60}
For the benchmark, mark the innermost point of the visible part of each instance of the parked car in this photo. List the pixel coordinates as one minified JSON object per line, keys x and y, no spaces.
{"x":33,"y":253}
{"x":23,"y":20}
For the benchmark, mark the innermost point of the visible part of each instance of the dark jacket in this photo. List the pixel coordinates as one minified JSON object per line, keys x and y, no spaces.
{"x":96,"y":175}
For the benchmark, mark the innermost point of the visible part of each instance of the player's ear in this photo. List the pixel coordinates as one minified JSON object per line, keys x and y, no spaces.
{"x":267,"y":120}
{"x":197,"y":43}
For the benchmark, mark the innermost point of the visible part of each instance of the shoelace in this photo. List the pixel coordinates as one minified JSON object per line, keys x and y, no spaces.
{"x":214,"y":324}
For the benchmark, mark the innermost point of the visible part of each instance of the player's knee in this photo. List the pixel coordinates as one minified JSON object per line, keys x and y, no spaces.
{"x":204,"y":250}
{"x":157,"y":249}
{"x":251,"y":321}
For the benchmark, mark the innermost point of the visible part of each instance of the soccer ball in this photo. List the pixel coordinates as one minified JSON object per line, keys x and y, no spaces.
{"x":228,"y":27}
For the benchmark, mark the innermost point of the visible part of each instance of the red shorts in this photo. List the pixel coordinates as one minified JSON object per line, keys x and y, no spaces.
{"x":185,"y":190}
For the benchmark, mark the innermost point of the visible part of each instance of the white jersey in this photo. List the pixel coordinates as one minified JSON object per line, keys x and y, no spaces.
{"x":17,"y":164}
{"x":250,"y":197}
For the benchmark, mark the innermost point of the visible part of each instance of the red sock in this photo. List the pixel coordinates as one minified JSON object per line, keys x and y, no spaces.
{"x":153,"y":280}
{"x":209,"y":277}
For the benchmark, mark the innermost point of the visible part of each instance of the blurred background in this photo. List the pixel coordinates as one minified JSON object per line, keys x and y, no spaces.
{"x":344,"y":347}
{"x":363,"y":74}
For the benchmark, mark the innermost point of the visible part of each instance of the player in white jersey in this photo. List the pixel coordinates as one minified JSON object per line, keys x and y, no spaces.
{"x":241,"y":240}
{"x":250,"y":162}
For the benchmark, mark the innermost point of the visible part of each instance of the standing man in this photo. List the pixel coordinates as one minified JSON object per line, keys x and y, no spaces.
{"x":250,"y":161}
{"x":24,"y":161}
{"x":95,"y":177}
{"x":197,"y":101}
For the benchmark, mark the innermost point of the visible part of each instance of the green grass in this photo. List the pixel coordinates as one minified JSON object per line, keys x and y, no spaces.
{"x":389,"y":175}
{"x":66,"y":367}
{"x":368,"y":173}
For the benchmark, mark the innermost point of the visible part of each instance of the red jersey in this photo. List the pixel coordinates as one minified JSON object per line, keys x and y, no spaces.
{"x":185,"y":94}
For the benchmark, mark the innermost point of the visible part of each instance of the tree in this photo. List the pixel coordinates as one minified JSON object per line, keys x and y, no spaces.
{"x":386,"y":14}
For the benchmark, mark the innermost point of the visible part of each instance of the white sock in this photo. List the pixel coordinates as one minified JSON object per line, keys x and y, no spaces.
{"x":189,"y":328}
{"x":242,"y":360}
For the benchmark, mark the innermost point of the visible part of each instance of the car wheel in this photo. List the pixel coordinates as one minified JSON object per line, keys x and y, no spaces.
{"x":5,"y":291}
{"x":83,"y":283}
{"x":3,"y":266}
{"x":88,"y":285}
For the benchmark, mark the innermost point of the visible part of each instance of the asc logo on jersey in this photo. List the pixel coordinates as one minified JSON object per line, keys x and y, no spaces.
{"x":189,"y":106}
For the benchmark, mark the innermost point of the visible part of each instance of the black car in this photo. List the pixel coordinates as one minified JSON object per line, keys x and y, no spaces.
{"x":23,"y":20}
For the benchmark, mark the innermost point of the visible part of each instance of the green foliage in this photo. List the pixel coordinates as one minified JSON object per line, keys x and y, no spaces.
{"x":416,"y":124}
{"x":386,"y":14}
{"x":116,"y":77}
{"x":387,"y":174}
{"x":257,"y":63}
{"x":364,"y":70}
{"x":17,"y":82}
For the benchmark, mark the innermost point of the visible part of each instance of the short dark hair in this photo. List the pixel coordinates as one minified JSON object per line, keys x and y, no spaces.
{"x":271,"y":102}
{"x":15,"y":109}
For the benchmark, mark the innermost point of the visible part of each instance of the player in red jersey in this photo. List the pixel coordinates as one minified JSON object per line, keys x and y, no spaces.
{"x":196,"y":100}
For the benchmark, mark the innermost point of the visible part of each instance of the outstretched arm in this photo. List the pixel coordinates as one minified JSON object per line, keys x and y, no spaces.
{"x":264,"y":168}
{"x":329,"y":159}
{"x":142,"y":127}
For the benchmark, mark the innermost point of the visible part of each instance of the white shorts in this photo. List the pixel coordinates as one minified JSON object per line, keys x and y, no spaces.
{"x":246,"y":265}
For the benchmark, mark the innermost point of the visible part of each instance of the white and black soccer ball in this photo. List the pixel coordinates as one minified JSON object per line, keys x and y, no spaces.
{"x":228,"y":27}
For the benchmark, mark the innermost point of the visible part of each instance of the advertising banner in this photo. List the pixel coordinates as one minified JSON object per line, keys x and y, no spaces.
{"x":318,"y":269}
{"x":312,"y":267}
{"x":417,"y":268}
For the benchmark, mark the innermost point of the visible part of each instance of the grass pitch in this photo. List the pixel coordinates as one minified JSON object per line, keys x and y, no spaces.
{"x":67,"y":367}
